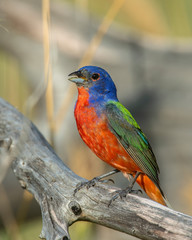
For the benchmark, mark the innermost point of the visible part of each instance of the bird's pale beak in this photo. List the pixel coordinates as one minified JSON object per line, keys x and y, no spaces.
{"x":76,"y":77}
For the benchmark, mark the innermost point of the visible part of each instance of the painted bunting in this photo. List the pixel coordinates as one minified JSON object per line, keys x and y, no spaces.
{"x":112,"y":133}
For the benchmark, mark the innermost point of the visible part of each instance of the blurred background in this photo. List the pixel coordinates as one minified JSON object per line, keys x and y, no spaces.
{"x":145,"y":45}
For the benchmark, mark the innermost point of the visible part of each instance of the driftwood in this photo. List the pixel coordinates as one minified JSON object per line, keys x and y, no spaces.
{"x":52,"y":183}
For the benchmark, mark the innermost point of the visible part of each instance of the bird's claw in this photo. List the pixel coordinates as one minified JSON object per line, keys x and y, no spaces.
{"x":91,"y":183}
{"x":123,"y":194}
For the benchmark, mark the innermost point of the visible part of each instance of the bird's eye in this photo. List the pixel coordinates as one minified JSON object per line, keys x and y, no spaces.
{"x":95,"y":76}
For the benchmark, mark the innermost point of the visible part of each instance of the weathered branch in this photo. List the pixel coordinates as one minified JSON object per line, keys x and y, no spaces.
{"x":43,"y":173}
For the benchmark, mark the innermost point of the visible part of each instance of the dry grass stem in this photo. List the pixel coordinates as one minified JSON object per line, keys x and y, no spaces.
{"x":47,"y":63}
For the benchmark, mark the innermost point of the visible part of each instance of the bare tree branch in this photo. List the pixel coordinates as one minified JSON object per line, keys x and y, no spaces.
{"x":52,"y":183}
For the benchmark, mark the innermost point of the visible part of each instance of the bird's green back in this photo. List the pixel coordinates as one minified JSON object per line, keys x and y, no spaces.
{"x":130,"y":135}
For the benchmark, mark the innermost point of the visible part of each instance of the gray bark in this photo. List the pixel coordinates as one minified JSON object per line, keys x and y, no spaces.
{"x":52,"y":183}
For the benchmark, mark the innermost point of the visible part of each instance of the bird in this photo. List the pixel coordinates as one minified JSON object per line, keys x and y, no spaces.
{"x":112,"y":133}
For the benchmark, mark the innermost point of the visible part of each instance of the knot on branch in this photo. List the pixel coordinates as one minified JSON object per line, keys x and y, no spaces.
{"x":75,"y":207}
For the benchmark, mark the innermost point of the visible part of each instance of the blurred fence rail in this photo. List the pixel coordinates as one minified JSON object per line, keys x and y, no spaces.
{"x":64,"y":30}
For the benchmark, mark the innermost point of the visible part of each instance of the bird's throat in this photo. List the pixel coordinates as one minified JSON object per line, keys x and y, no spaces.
{"x":83,"y":97}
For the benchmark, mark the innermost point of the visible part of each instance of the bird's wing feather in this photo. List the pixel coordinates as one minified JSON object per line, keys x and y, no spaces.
{"x":129,"y":134}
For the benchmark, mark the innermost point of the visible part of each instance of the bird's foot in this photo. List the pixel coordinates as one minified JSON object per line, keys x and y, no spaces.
{"x":123,"y":194}
{"x":91,"y":183}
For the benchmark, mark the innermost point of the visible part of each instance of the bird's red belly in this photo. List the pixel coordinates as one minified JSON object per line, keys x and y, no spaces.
{"x":96,"y":134}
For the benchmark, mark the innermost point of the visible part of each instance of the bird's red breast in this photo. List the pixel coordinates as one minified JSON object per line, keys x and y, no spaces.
{"x":95,"y":132}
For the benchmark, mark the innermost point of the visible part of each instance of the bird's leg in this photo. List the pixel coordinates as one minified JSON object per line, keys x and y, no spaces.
{"x":129,"y":189}
{"x":92,"y":182}
{"x":133,"y":182}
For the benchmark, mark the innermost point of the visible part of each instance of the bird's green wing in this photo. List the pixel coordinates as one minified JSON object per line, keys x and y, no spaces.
{"x":129,"y":134}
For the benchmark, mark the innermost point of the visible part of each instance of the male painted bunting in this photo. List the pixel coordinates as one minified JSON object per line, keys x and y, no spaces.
{"x":112,"y":133}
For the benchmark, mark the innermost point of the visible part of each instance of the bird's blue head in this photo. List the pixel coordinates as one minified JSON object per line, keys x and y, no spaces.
{"x":96,"y":81}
